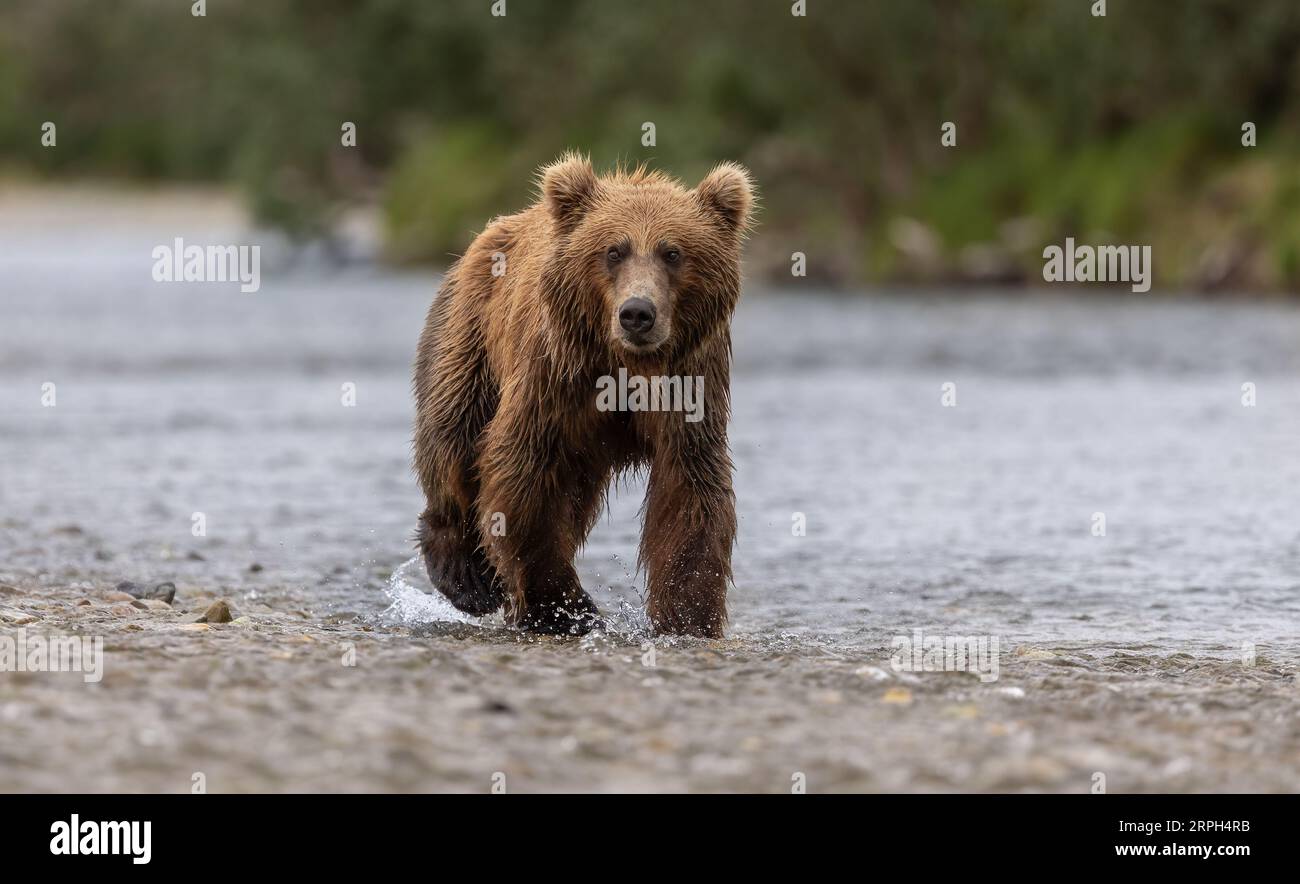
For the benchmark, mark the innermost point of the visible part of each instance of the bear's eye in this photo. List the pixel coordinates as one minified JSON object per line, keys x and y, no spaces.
{"x":672,"y":256}
{"x":614,"y":254}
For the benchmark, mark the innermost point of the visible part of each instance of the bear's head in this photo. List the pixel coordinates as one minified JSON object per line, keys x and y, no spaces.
{"x":641,"y":264}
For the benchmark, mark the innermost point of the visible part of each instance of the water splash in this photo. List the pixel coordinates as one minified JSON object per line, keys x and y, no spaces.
{"x":414,"y":601}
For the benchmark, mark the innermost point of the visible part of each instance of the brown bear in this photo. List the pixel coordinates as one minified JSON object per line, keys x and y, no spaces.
{"x":628,"y":270}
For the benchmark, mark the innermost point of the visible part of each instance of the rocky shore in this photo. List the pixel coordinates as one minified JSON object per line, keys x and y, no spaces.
{"x":234,"y":695}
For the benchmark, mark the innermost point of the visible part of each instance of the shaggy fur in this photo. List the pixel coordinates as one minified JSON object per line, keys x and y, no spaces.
{"x":511,"y":451}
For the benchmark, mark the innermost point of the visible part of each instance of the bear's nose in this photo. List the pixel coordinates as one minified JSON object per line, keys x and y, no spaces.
{"x":637,"y":315}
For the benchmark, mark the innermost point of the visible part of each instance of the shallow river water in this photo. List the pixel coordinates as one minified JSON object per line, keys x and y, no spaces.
{"x":979,"y":517}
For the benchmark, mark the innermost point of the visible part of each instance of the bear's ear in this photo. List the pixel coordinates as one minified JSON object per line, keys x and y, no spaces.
{"x":728,"y":192}
{"x":568,"y":188}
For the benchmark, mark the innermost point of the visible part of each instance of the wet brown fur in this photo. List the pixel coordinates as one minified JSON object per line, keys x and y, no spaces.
{"x":506,"y":383}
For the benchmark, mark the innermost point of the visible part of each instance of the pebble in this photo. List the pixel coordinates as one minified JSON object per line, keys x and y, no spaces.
{"x":196,"y":627}
{"x":897,"y":696}
{"x":1026,"y":652}
{"x":165,"y":592}
{"x":217,"y":612}
{"x":874,"y":673}
{"x":16,"y":617}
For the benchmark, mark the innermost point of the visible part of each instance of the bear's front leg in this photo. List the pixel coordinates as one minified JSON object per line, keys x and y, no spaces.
{"x":529,"y":524}
{"x":690,"y":527}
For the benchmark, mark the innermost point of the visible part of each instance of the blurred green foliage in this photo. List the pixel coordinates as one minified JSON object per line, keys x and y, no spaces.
{"x":1126,"y":127}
